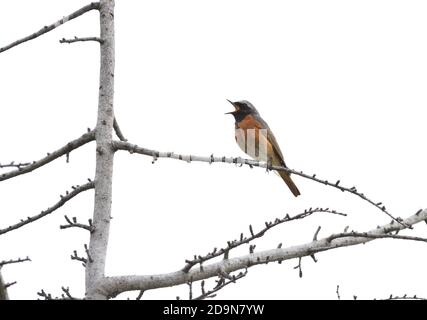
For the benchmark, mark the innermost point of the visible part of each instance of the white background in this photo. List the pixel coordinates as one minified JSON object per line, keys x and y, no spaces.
{"x":341,"y":83}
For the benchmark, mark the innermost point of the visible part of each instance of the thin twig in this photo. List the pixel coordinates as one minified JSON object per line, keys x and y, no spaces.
{"x":374,"y":236}
{"x":299,"y":267}
{"x":89,"y":257}
{"x":64,"y":199}
{"x":338,"y":292}
{"x":190,"y":290}
{"x":404,"y":297}
{"x":84,"y":261}
{"x":244,"y":240}
{"x":316,"y":233}
{"x":43,"y":294}
{"x":72,"y":223}
{"x":132,"y":148}
{"x":83,"y":39}
{"x":118,"y":130}
{"x":76,"y":257}
{"x":9,"y":284}
{"x":67,"y":295}
{"x":14,"y":165}
{"x":45,"y":29}
{"x":11,"y":261}
{"x":221,"y":283}
{"x":70,"y":146}
{"x":140,"y":294}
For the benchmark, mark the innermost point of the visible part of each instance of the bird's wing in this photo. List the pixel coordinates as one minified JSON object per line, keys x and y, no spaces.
{"x":271,"y":139}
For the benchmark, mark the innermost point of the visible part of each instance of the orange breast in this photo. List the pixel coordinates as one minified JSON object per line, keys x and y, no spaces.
{"x":252,"y":139}
{"x":248,"y":122}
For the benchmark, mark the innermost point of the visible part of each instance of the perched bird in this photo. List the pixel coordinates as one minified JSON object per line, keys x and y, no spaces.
{"x":256,"y":139}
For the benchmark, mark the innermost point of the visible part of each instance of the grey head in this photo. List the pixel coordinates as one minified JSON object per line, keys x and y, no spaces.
{"x":242,"y":109}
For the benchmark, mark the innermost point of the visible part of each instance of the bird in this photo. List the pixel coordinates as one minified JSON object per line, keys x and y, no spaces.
{"x":255,"y":138}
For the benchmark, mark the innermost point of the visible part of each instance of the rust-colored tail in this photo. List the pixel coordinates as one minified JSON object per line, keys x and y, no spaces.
{"x":287,"y":178}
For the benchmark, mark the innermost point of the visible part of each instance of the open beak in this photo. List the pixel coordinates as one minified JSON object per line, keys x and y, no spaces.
{"x":232,"y":112}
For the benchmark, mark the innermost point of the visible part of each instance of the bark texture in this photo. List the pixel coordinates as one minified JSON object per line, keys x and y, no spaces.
{"x":104,"y":156}
{"x":3,"y":289}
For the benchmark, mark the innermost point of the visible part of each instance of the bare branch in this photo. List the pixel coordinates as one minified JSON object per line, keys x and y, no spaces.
{"x":9,"y":284}
{"x":68,"y":196}
{"x":244,"y":240}
{"x":374,"y":236}
{"x":221,"y":283}
{"x":83,"y":39}
{"x":46,"y":296}
{"x":11,"y":261}
{"x":72,"y":223}
{"x":76,"y":257}
{"x":316,"y":233}
{"x":140,"y":294}
{"x":111,"y":286}
{"x":67,"y":295}
{"x":299,"y":267}
{"x":84,"y":261}
{"x":404,"y":297}
{"x":70,"y":146}
{"x":14,"y":165}
{"x":89,"y":257}
{"x":45,"y":29}
{"x":132,"y":148}
{"x":190,"y":290}
{"x":118,"y":131}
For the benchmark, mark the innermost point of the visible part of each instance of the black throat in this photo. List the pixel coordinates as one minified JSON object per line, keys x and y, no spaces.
{"x":240,"y":115}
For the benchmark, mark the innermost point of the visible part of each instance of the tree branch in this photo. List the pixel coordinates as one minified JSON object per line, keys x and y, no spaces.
{"x":45,"y":29}
{"x":221,"y":283}
{"x":66,"y":295}
{"x":112,"y":286}
{"x":299,"y":267}
{"x":374,"y":236}
{"x":68,"y":196}
{"x":11,"y":261}
{"x":139,"y":296}
{"x":133,"y":148}
{"x":118,"y":131}
{"x":70,"y":146}
{"x":84,"y":39}
{"x":84,"y":261}
{"x":72,"y":223}
{"x":245,"y":240}
{"x":404,"y":297}
{"x":14,"y":165}
{"x":44,"y":295}
{"x":115,"y":285}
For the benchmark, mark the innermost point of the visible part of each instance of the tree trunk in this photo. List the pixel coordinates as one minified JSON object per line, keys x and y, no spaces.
{"x":95,"y":268}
